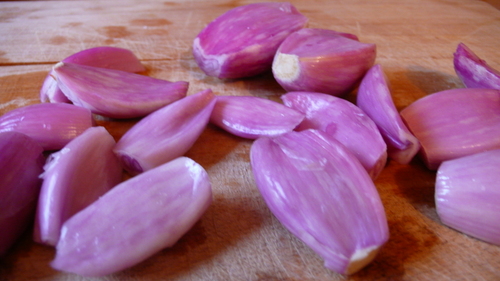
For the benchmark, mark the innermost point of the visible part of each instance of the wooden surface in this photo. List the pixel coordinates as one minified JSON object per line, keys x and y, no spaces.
{"x":238,"y":238}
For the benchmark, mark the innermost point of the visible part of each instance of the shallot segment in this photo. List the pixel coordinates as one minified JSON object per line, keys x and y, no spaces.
{"x":468,"y":195}
{"x":473,"y":71}
{"x":165,"y":134}
{"x":455,"y":123}
{"x":135,"y":219}
{"x":21,"y":163}
{"x":251,"y":117}
{"x":343,"y":121}
{"x":322,"y":60}
{"x":242,"y":42}
{"x":103,"y":56}
{"x":50,"y":91}
{"x":52,"y":125}
{"x":75,"y":177}
{"x":374,"y":98}
{"x":115,"y":93}
{"x":321,"y":193}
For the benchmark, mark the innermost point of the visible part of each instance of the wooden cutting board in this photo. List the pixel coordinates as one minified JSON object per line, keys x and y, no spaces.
{"x":238,"y":238}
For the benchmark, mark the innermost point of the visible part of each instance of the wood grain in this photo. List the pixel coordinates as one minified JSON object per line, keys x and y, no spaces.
{"x":238,"y":238}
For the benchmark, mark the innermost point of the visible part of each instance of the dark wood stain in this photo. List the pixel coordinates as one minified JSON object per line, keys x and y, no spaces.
{"x":150,"y":22}
{"x":57,"y":40}
{"x":3,"y":59}
{"x":170,"y":3}
{"x":73,"y":24}
{"x":116,"y":31}
{"x":229,"y":4}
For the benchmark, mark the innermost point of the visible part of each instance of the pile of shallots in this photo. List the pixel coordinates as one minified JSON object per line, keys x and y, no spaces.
{"x":314,"y":157}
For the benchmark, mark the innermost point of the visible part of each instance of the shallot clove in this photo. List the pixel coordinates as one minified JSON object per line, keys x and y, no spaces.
{"x":50,"y":91}
{"x":343,"y":121}
{"x":322,"y":60}
{"x":75,"y":177}
{"x":21,"y":163}
{"x":103,"y":56}
{"x":165,"y":134}
{"x":114,"y":93}
{"x":468,"y":194}
{"x":473,"y":71}
{"x":454,"y":123}
{"x":134,"y":220}
{"x":52,"y":125}
{"x":321,"y":193}
{"x":242,"y":42}
{"x":252,"y":117}
{"x":374,"y":98}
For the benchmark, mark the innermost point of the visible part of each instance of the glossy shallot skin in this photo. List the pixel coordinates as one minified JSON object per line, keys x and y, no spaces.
{"x":21,"y":162}
{"x":343,"y":121}
{"x":242,"y":42}
{"x":135,"y":219}
{"x":473,"y":71}
{"x":252,"y":117}
{"x":115,"y":93}
{"x":454,"y":123}
{"x":374,"y":98}
{"x":75,"y":177}
{"x":321,"y":193}
{"x":322,"y":60}
{"x":467,"y":195}
{"x":102,"y":56}
{"x":52,"y":125}
{"x":165,"y":134}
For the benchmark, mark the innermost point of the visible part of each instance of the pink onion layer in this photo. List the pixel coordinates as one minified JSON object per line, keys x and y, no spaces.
{"x":455,"y":123}
{"x":251,"y":117}
{"x":343,"y":121}
{"x":242,"y":42}
{"x":321,"y":60}
{"x":165,"y":134}
{"x":104,"y":56}
{"x":50,"y":91}
{"x":321,"y":193}
{"x":51,"y":125}
{"x":468,"y":195}
{"x":473,"y":71}
{"x":134,"y":220}
{"x":374,"y":98}
{"x":21,"y":162}
{"x":75,"y":177}
{"x":115,"y":93}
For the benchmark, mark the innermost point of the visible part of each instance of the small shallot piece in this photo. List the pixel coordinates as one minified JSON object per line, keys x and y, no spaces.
{"x":374,"y":98}
{"x":343,"y":121}
{"x":52,"y":125}
{"x":473,"y":71}
{"x":135,"y":219}
{"x":467,"y":195}
{"x":165,"y":134}
{"x":242,"y":42}
{"x":21,"y":163}
{"x":322,"y":60}
{"x":115,"y":93}
{"x":75,"y":177}
{"x":321,"y":193}
{"x":454,"y":123}
{"x":251,"y":117}
{"x":103,"y":56}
